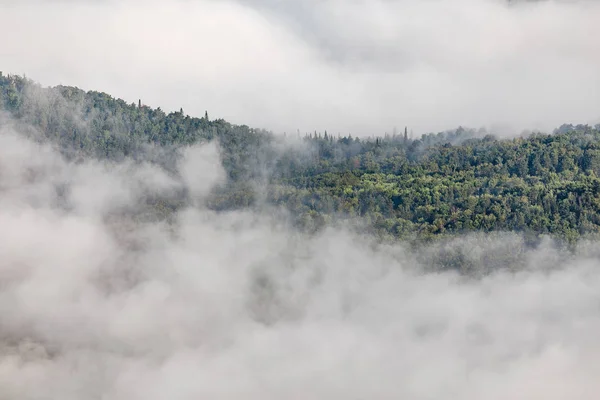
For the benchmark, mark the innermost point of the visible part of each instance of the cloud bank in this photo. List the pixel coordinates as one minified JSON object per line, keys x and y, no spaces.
{"x":96,"y":304}
{"x":359,"y":67}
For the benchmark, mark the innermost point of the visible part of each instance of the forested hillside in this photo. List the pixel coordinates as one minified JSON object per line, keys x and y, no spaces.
{"x":440,"y":184}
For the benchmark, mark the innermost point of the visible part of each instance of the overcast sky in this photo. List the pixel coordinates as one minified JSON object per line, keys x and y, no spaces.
{"x":349,"y":66}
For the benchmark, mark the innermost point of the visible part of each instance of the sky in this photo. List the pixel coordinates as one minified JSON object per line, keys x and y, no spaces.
{"x":359,"y":67}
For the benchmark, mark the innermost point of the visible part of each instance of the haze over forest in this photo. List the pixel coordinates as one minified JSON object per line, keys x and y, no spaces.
{"x":299,"y":200}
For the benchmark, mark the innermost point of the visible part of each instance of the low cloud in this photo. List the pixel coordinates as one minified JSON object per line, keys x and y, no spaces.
{"x":98,"y":304}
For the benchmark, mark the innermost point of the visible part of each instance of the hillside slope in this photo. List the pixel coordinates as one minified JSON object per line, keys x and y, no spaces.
{"x":440,"y":184}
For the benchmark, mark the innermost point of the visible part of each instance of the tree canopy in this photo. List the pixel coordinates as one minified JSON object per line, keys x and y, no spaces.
{"x":436,"y":185}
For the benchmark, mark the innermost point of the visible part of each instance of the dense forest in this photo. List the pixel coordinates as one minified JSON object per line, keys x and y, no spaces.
{"x":398,"y":187}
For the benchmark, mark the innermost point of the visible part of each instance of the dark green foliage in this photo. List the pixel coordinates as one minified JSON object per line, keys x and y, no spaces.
{"x":439,"y":185}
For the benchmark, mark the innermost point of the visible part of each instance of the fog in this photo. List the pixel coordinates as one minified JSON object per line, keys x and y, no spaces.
{"x":98,"y":304}
{"x":359,"y":67}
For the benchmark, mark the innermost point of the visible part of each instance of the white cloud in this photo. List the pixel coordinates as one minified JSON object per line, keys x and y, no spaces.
{"x":201,"y":169}
{"x":359,"y":67}
{"x":238,"y":306}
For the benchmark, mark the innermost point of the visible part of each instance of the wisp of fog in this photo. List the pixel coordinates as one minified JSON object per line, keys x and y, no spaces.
{"x":97,"y":304}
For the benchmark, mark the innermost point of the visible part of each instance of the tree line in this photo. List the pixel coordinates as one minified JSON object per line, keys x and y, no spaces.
{"x":440,"y":184}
